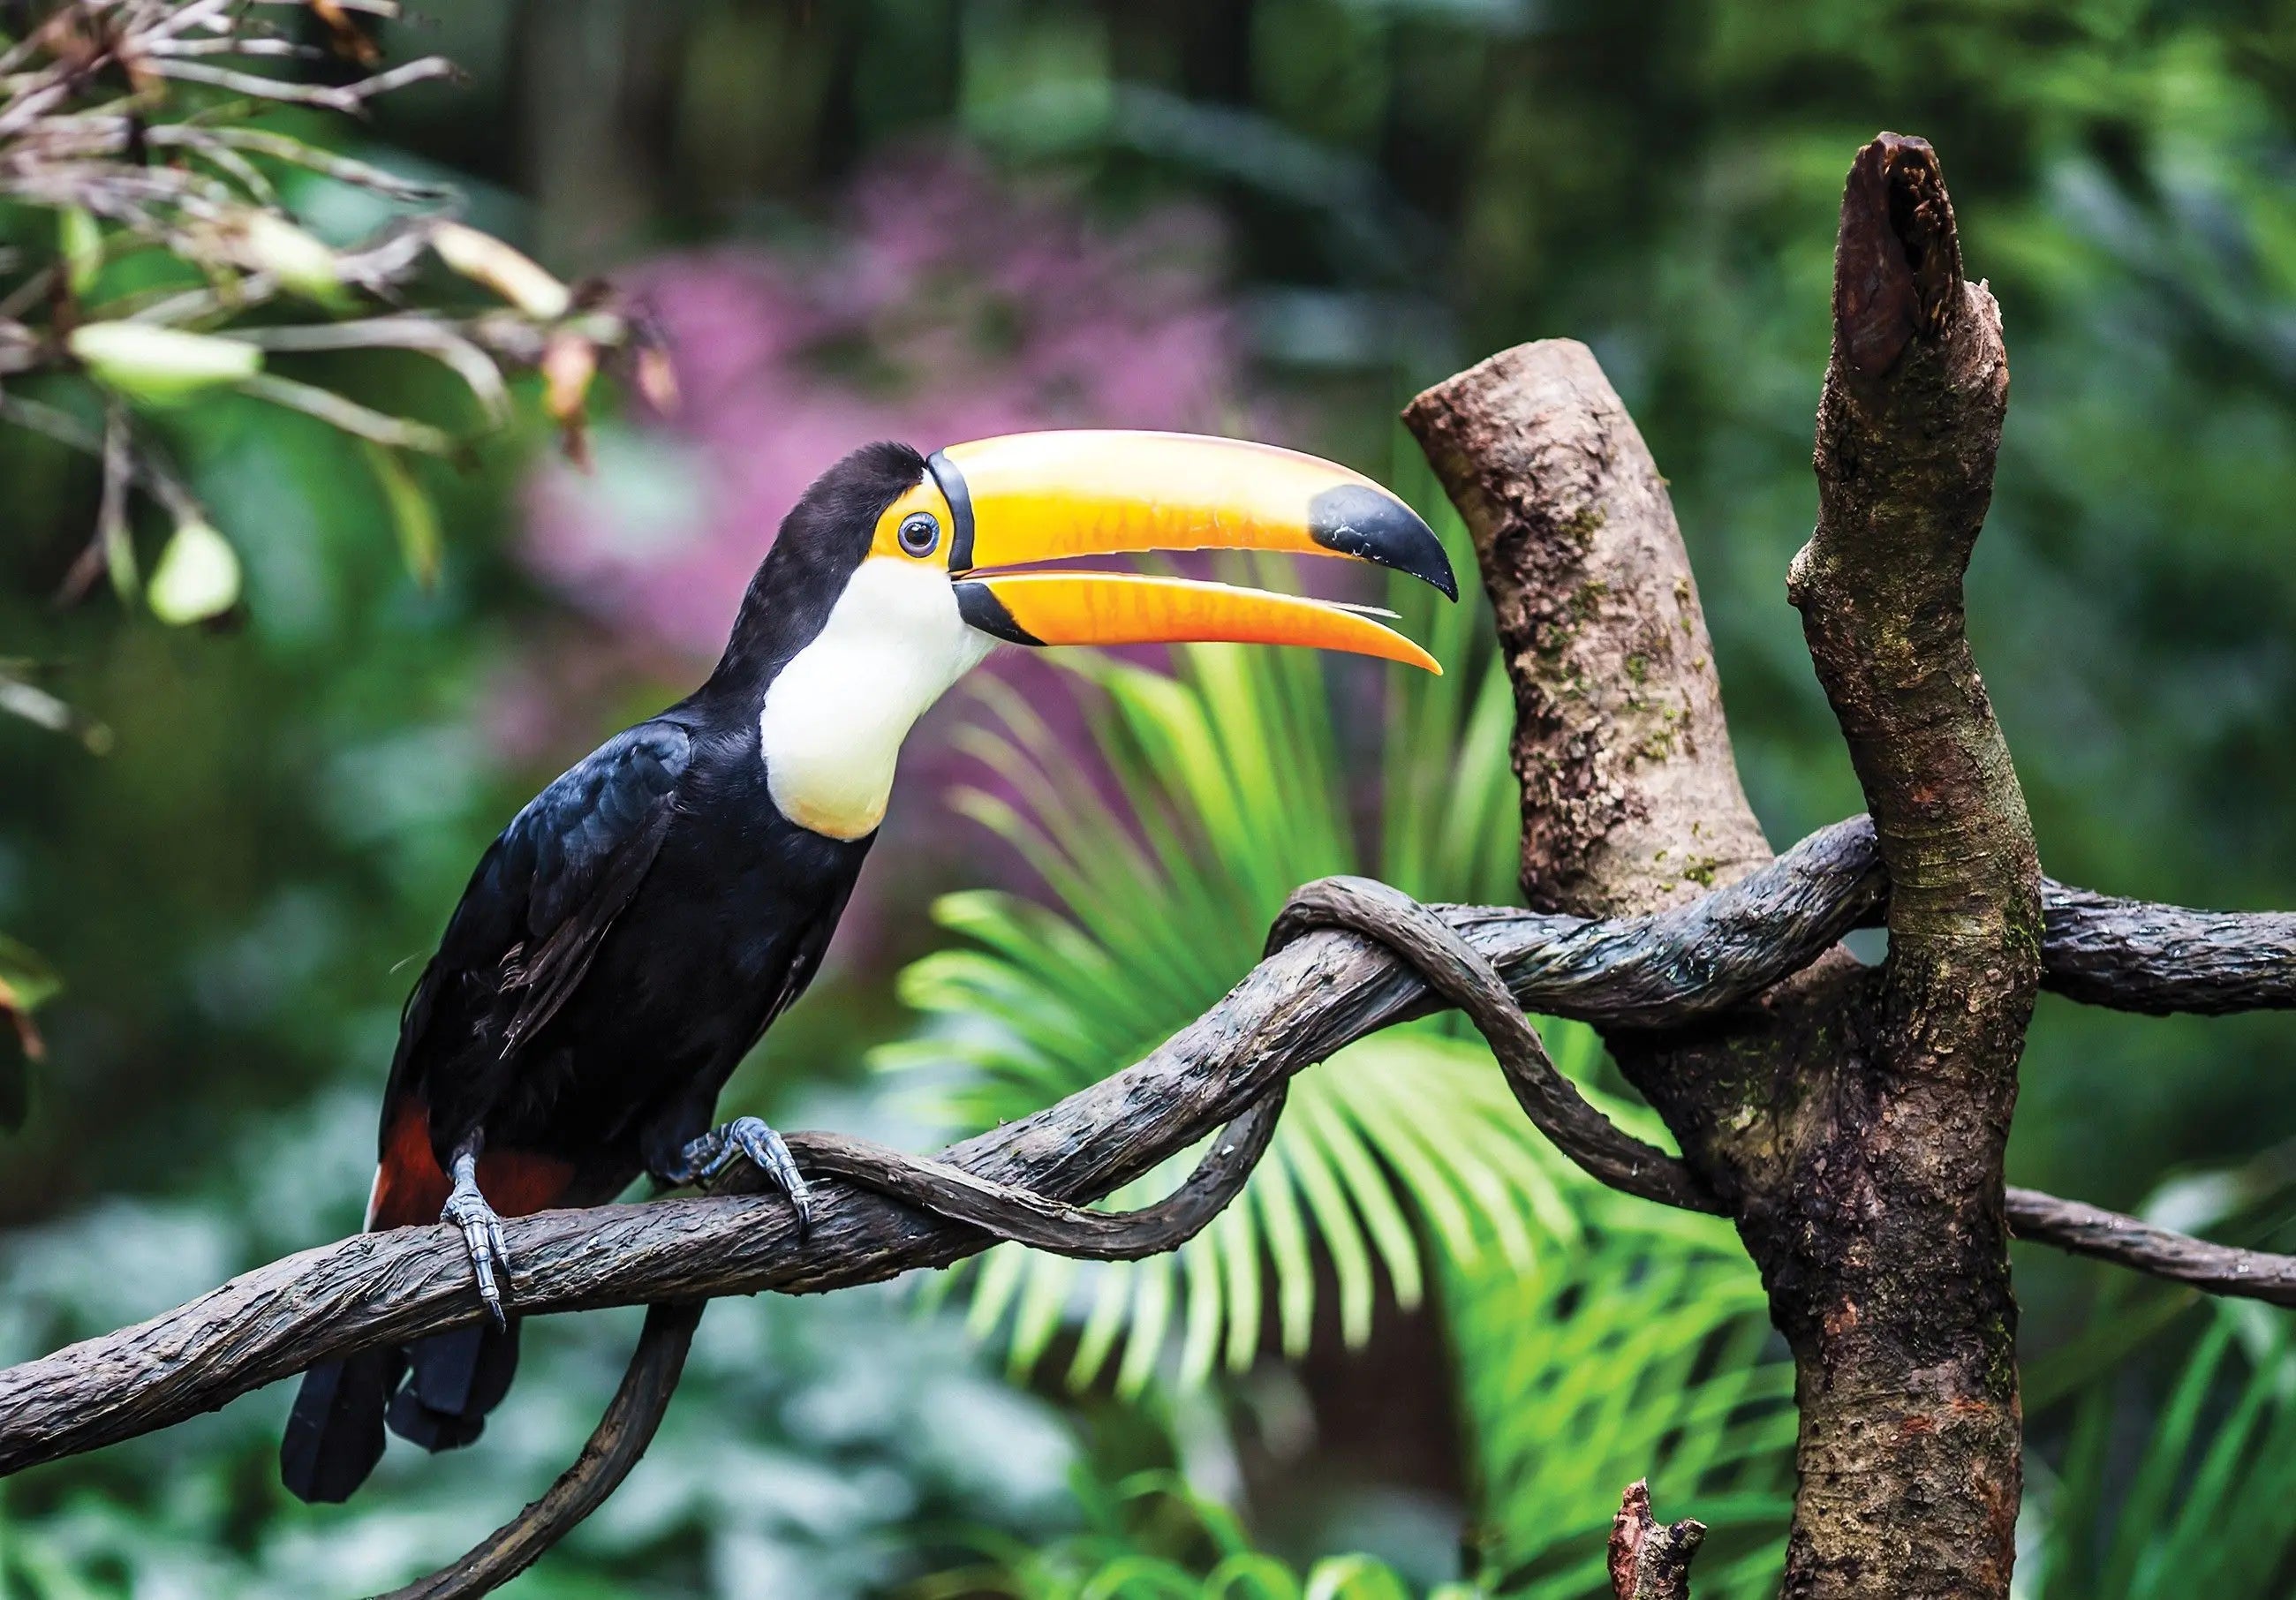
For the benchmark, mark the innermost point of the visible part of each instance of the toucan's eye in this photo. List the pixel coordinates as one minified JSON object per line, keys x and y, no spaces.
{"x":920,"y":535}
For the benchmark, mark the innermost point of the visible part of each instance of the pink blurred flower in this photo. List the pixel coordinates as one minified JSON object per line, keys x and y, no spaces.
{"x":946,"y":306}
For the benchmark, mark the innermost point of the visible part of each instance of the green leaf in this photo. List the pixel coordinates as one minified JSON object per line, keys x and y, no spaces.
{"x":2206,"y":1504}
{"x":80,"y":240}
{"x":26,"y":982}
{"x":31,"y":983}
{"x":161,"y":367}
{"x":198,"y":577}
{"x":413,"y":518}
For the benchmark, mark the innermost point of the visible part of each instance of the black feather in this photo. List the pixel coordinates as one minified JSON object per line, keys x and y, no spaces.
{"x":334,"y":1434}
{"x":452,"y":1380}
{"x":619,"y":949}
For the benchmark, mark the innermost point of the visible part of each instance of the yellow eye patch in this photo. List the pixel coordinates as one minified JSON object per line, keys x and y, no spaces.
{"x":915,"y":527}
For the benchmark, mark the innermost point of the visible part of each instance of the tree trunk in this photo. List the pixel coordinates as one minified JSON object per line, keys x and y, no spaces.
{"x":1853,"y":1120}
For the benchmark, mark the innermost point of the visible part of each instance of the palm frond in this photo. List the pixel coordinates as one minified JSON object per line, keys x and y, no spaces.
{"x":1228,"y":784}
{"x":2209,"y":1506}
{"x":1599,"y":1340}
{"x":1152,"y":1536}
{"x":1642,"y":1354}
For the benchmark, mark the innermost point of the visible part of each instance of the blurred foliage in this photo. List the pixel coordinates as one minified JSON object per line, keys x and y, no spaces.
{"x":1153,"y":1537}
{"x":819,"y":1446}
{"x":1648,"y":1346}
{"x":1389,"y":188}
{"x":134,"y":284}
{"x":2208,"y":1507}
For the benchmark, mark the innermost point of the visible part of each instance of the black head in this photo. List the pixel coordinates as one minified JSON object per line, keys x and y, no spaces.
{"x":822,"y":541}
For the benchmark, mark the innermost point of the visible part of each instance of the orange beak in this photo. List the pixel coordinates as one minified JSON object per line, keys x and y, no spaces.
{"x":1030,"y":499}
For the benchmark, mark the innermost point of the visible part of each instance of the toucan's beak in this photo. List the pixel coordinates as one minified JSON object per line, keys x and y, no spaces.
{"x":1030,"y":498}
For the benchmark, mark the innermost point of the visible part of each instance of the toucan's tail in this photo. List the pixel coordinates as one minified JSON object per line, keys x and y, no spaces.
{"x":455,"y":1379}
{"x":334,"y":1434}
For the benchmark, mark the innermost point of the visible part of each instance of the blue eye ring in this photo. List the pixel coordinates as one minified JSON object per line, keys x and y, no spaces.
{"x":920,"y":534}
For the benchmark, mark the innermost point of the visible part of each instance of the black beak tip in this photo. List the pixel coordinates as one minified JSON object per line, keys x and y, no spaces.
{"x":1372,"y":525}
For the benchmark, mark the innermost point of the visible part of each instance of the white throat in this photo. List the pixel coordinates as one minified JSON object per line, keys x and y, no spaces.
{"x":831,"y":727}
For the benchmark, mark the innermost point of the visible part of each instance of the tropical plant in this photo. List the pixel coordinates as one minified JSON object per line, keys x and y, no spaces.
{"x":2205,"y":1504}
{"x":1226,"y":787}
{"x":1633,"y":1333}
{"x":160,"y":179}
{"x":1644,"y":1351}
{"x":1153,"y":1537}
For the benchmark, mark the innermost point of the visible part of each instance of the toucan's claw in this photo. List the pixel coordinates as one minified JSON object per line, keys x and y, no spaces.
{"x":715,"y":1151}
{"x":482,"y":1233}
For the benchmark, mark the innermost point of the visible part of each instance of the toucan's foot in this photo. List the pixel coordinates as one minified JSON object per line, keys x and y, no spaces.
{"x":482,"y":1233}
{"x":705,"y":1157}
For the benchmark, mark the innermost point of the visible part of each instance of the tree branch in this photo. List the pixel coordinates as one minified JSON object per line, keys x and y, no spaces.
{"x":1650,"y":1560}
{"x":2085,"y":1230}
{"x":613,"y":1449}
{"x":1302,"y":1004}
{"x":1902,"y":1321}
{"x":2132,"y":956}
{"x":1320,"y":992}
{"x":1630,"y":795}
{"x":1461,"y":974}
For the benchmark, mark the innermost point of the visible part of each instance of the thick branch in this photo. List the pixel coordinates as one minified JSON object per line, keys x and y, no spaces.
{"x":1894,"y":1287}
{"x":1460,"y":973}
{"x":1300,"y":1005}
{"x":1631,"y":798}
{"x":2132,"y":955}
{"x":1295,"y":1008}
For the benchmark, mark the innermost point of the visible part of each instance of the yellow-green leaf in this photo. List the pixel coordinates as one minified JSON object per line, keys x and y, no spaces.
{"x":31,"y":983}
{"x":487,"y":260}
{"x":197,"y":577}
{"x":421,"y":544}
{"x":160,"y":365}
{"x":81,"y":241}
{"x":302,"y":264}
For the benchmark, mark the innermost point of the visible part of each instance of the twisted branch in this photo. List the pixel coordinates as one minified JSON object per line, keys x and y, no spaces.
{"x":612,"y":1450}
{"x":639,"y":1403}
{"x":1307,"y":1000}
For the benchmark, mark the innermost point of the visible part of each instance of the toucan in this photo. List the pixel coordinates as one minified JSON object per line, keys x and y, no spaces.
{"x":639,"y":924}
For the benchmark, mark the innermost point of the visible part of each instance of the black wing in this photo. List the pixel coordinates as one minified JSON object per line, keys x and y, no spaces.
{"x":544,"y":896}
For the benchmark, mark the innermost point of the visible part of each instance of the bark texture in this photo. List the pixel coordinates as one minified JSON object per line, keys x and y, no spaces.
{"x":1631,"y":798}
{"x":1890,"y":1262}
{"x":1650,"y":1560}
{"x":1304,"y":1002}
{"x":1643,"y":978}
{"x":1853,"y":1121}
